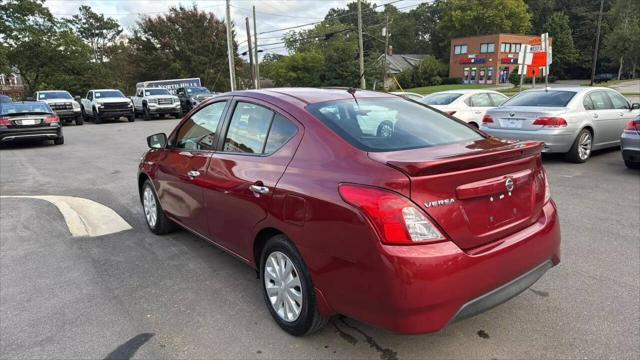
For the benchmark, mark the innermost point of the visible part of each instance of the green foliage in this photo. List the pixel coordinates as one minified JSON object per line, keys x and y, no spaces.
{"x":429,"y":72}
{"x":472,"y":17}
{"x":99,"y":32}
{"x":299,"y":69}
{"x":621,"y":44}
{"x":565,"y":54}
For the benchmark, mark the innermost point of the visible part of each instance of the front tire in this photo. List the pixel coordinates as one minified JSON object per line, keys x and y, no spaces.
{"x":287,"y":288}
{"x":79,"y":120}
{"x":631,"y":165}
{"x":59,"y":141}
{"x":385,"y":129}
{"x":131,"y":118}
{"x":96,"y":117}
{"x":146,"y":115}
{"x":157,"y":221}
{"x":581,"y":148}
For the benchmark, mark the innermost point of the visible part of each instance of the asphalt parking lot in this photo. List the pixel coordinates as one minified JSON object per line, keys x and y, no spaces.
{"x":136,"y":294}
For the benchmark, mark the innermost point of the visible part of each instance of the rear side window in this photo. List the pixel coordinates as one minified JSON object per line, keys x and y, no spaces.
{"x":587,"y":103}
{"x":199,"y":132}
{"x":480,"y":100}
{"x":619,"y":102}
{"x":600,"y":100}
{"x":498,"y":99}
{"x":281,"y":131}
{"x":378,"y":125}
{"x":551,"y":98}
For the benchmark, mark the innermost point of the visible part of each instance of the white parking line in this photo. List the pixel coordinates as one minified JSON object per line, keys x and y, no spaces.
{"x":84,"y":217}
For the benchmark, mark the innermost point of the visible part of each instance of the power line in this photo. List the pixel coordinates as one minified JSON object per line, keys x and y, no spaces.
{"x":273,"y":14}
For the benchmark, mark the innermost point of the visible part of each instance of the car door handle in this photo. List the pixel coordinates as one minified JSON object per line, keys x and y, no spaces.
{"x":185,"y":153}
{"x":259,"y":190}
{"x":595,"y":116}
{"x":193,"y":173}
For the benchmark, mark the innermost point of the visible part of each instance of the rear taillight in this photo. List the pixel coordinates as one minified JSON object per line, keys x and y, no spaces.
{"x":396,"y":219}
{"x":51,"y":120}
{"x":487,"y":119}
{"x":5,"y":122}
{"x":547,"y":190}
{"x":451,"y":112}
{"x":633,"y":126}
{"x":550,"y":121}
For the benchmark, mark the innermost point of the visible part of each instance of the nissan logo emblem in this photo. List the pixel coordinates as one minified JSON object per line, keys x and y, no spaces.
{"x":512,"y":114}
{"x":509,"y":184}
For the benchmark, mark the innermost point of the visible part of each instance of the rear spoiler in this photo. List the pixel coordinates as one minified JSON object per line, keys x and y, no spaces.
{"x":511,"y":152}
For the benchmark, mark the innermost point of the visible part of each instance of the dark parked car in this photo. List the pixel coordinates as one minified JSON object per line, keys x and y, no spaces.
{"x":630,"y":144}
{"x":191,"y":96}
{"x":29,"y":120}
{"x":600,"y":78}
{"x":407,"y":229}
{"x":5,"y":99}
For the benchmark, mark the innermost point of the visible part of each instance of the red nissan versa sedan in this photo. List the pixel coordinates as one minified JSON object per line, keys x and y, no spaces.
{"x":363,"y":204}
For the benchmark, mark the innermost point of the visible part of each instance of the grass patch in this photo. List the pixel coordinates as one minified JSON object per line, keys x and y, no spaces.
{"x":425,"y":90}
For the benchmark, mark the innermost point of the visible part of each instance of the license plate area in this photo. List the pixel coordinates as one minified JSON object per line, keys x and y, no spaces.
{"x":27,"y":122}
{"x":512,"y":123}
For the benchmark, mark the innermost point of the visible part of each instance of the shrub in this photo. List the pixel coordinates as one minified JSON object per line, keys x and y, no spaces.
{"x":451,"y":80}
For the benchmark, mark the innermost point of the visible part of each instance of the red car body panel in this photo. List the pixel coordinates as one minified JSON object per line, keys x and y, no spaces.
{"x":407,"y":289}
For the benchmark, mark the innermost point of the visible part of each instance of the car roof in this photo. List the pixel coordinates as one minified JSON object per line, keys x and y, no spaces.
{"x":577,"y":89}
{"x":465,"y":91}
{"x":315,"y":95}
{"x":104,"y":90}
{"x":154,"y":88}
{"x":46,"y":91}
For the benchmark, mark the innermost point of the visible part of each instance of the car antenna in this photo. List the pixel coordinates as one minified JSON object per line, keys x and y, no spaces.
{"x":352,"y":90}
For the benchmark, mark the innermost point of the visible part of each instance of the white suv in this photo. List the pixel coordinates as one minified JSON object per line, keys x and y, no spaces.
{"x":156,"y":101}
{"x":63,"y":104}
{"x":106,"y":104}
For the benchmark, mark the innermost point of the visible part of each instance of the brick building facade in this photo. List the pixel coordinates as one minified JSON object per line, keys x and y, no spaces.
{"x":486,"y":59}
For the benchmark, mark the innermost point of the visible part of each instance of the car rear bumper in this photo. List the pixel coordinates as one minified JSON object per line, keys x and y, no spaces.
{"x":426,"y":287}
{"x":630,"y":145}
{"x":40,"y":133}
{"x":555,"y":140}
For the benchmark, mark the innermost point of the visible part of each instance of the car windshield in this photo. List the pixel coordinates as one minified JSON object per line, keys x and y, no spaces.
{"x":148,"y":92}
{"x":550,"y":98}
{"x":440,"y":99}
{"x":23,"y":108}
{"x":54,"y":95}
{"x":109,"y":93}
{"x":197,"y":90}
{"x":390,"y":124}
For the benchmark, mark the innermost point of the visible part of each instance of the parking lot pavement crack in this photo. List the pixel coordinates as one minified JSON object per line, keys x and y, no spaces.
{"x":385,"y":353}
{"x":84,"y":217}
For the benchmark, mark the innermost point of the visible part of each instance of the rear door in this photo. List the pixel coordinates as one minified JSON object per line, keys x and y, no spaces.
{"x":479,"y":104}
{"x":622,"y":113}
{"x":604,"y":118}
{"x":259,"y":143}
{"x":180,"y":173}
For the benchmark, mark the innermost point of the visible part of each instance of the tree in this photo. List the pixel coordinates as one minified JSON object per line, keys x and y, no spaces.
{"x":621,"y":44}
{"x":187,"y":42}
{"x":300,"y":69}
{"x":565,"y":54}
{"x":99,"y":32}
{"x":540,"y":11}
{"x":472,"y":17}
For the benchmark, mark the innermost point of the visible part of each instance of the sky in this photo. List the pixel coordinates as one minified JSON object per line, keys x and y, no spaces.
{"x":270,"y":14}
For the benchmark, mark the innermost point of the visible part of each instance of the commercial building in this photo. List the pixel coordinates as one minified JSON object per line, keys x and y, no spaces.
{"x":486,"y":59}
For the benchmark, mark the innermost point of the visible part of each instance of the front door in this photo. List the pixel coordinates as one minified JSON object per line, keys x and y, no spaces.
{"x":180,"y":185}
{"x":258,"y":146}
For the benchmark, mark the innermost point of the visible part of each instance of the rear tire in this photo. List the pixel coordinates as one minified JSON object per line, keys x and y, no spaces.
{"x":632,"y":165}
{"x":178,"y":115}
{"x":157,"y":221}
{"x":385,"y":129}
{"x":581,"y":149}
{"x":59,"y":141}
{"x":298,"y":313}
{"x":131,"y":118}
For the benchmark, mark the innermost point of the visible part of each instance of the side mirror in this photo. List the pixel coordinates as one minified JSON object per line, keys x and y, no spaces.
{"x":635,"y":106}
{"x":157,"y":141}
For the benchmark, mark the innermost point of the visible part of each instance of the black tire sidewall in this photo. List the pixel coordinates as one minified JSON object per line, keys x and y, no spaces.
{"x":304,"y":322}
{"x":574,"y":153}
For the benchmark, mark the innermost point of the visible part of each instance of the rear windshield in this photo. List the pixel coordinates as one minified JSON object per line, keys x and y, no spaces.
{"x":109,"y":93}
{"x":390,"y":124}
{"x":23,"y":108}
{"x":148,"y":92}
{"x":54,"y":95}
{"x":440,"y":99}
{"x":551,"y":98}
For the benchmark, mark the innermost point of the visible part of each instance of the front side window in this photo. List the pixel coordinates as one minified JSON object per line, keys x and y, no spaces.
{"x":390,"y":124}
{"x":199,"y":132}
{"x":619,"y":102}
{"x":90,"y":95}
{"x":550,"y":98}
{"x":248,"y":129}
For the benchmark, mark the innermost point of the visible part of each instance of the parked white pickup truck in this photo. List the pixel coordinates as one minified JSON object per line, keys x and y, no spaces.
{"x":63,"y":104}
{"x":104,"y":104}
{"x":156,"y":101}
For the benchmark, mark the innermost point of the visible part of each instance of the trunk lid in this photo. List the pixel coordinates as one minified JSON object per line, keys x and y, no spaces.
{"x":520,"y":117}
{"x":27,"y":120}
{"x":476,"y":192}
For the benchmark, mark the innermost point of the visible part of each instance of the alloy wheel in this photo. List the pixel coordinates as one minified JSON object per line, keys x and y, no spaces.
{"x":150,"y":206}
{"x":283,"y":286}
{"x":584,"y":146}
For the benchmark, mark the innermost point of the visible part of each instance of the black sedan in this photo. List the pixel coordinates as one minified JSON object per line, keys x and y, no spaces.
{"x":29,"y":120}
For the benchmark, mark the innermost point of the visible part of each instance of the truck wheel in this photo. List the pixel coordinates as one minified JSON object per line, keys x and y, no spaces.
{"x":96,"y":116}
{"x":131,"y":118}
{"x":79,"y":120}
{"x":581,"y":149}
{"x":178,"y":115}
{"x":145,"y":113}
{"x":59,"y":141}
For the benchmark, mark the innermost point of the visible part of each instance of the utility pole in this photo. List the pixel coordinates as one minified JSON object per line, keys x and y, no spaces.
{"x":523,"y":67}
{"x":386,"y":52}
{"x":230,"y":52}
{"x":595,"y":51}
{"x":250,"y":53}
{"x":363,"y":83}
{"x":255,"y":47}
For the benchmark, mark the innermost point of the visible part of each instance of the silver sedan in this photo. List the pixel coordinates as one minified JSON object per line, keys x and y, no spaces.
{"x":630,"y":144}
{"x":573,"y":120}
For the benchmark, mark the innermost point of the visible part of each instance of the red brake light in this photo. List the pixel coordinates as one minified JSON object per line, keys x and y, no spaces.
{"x":487,"y":119}
{"x":5,"y":122}
{"x":396,"y":219}
{"x":51,"y":119}
{"x":550,"y":121}
{"x":451,"y":112}
{"x":632,"y":126}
